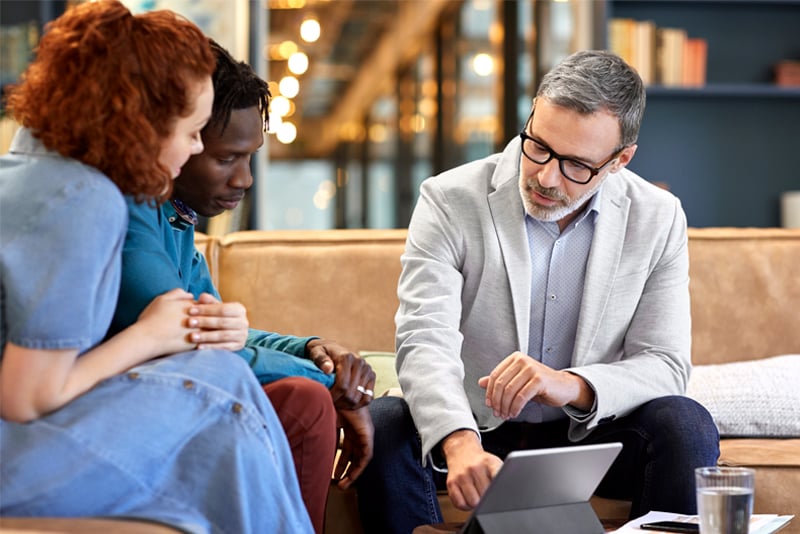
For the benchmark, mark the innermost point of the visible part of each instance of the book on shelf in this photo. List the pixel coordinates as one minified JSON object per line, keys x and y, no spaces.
{"x":661,"y":55}
{"x":635,"y":42}
{"x":787,"y":73}
{"x":695,"y":52}
{"x":671,"y":44}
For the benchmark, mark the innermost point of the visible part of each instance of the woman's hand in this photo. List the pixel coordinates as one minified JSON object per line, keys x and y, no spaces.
{"x":221,"y":325}
{"x":165,"y":323}
{"x":34,"y":382}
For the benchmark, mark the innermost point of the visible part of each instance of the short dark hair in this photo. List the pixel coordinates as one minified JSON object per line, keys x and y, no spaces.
{"x":236,"y":86}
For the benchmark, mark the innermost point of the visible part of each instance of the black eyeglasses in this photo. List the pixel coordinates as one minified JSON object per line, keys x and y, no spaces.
{"x":573,"y":170}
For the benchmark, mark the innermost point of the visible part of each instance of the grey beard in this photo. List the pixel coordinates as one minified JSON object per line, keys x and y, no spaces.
{"x":555,"y":213}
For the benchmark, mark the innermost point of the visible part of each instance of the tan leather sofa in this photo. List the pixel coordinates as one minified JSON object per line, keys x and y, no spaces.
{"x":745,"y":289}
{"x":341,"y":284}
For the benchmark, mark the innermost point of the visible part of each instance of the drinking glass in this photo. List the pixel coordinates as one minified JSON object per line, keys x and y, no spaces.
{"x":724,"y":499}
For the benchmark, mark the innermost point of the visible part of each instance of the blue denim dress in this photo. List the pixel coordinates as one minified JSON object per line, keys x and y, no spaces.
{"x":189,"y":440}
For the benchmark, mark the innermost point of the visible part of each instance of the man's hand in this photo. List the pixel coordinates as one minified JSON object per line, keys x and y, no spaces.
{"x":470,"y":469}
{"x":519,"y":379}
{"x":223,"y":325}
{"x":357,"y":446}
{"x":355,"y":379}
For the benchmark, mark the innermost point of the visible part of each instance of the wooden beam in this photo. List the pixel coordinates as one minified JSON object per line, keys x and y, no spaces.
{"x":414,"y":23}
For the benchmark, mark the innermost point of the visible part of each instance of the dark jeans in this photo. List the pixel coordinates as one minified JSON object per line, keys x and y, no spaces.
{"x":663,"y":441}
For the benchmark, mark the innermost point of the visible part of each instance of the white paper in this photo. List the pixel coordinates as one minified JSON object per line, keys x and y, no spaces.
{"x":759,"y":523}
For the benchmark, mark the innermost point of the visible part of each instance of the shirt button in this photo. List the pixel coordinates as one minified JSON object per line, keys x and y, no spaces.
{"x":188,"y":384}
{"x":172,"y":219}
{"x":548,"y":350}
{"x":552,"y":297}
{"x":237,"y":408}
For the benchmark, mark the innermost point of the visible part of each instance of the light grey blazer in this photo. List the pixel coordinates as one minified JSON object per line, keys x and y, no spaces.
{"x":465,"y":297}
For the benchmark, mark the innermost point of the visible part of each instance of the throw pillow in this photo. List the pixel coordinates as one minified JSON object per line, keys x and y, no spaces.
{"x":385,"y":374}
{"x":755,"y":398}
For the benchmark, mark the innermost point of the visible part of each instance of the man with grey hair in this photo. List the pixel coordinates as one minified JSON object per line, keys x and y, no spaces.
{"x":544,"y":301}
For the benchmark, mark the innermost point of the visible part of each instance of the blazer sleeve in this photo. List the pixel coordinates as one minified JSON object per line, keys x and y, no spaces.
{"x":429,"y":342}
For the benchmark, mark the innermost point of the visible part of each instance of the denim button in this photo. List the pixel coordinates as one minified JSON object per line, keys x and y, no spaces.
{"x":188,"y":384}
{"x":133,"y":376}
{"x":237,"y":408}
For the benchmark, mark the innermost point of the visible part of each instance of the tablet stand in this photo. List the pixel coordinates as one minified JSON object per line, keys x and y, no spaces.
{"x":575,"y":518}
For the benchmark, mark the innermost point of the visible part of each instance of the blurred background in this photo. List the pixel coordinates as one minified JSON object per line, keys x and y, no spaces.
{"x":373,"y":96}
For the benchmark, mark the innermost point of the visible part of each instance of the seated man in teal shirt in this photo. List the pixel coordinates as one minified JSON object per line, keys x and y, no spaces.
{"x":159,"y":254}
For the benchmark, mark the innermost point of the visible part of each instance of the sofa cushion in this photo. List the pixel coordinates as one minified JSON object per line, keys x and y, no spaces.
{"x":382,"y":364}
{"x":757,"y":398}
{"x":336,"y":284}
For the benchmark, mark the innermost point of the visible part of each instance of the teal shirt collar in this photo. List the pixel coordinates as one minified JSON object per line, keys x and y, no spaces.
{"x":180,"y":215}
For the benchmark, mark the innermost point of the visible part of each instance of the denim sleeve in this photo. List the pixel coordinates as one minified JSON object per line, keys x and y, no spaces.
{"x":270,"y":365}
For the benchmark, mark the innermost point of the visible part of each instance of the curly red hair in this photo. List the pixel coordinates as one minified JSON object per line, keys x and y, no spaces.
{"x":107,"y":86}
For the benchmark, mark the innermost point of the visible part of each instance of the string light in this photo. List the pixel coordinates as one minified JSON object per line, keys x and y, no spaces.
{"x":298,"y":63}
{"x":289,"y":86}
{"x":280,"y":106}
{"x":483,"y":64}
{"x":310,"y":30}
{"x":286,"y":133}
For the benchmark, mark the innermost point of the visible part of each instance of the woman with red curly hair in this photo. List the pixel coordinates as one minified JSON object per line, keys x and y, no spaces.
{"x":143,"y":424}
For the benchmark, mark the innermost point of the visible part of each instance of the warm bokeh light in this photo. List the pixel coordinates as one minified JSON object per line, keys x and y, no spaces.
{"x":377,"y":133}
{"x":352,"y":131}
{"x":483,"y":64}
{"x":310,"y":30}
{"x":496,"y":33}
{"x":286,"y":4}
{"x":428,"y":107}
{"x":292,"y":109}
{"x":275,"y":122}
{"x":286,"y":49}
{"x":418,"y":123}
{"x":298,"y":63}
{"x":289,"y":86}
{"x":324,"y":194}
{"x":280,"y":106}
{"x":287,"y":133}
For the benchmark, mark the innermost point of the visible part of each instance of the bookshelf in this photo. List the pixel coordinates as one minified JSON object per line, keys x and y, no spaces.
{"x":730,"y":147}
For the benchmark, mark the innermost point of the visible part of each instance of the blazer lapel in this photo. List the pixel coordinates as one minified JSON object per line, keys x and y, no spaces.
{"x":601,"y":267}
{"x":508,"y":215}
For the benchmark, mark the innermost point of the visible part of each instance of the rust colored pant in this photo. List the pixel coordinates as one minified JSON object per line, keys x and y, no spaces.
{"x":306,"y":411}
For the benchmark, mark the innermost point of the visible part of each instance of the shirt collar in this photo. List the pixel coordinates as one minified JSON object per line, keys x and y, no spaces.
{"x":183,"y":216}
{"x":24,"y":142}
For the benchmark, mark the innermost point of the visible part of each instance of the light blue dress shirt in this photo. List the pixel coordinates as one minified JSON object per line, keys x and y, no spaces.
{"x":558,"y":271}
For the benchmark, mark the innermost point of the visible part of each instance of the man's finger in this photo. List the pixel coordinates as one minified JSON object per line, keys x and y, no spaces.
{"x":323,"y":362}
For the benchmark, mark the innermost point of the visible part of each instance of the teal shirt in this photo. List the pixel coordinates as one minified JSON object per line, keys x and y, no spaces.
{"x":159,"y":255}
